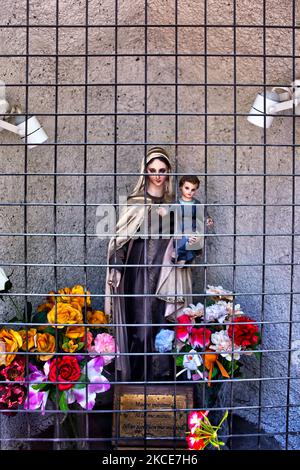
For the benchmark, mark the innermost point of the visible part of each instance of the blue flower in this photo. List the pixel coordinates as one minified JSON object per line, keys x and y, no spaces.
{"x":164,"y":340}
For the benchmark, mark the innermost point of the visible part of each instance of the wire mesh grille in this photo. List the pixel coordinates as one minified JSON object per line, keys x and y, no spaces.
{"x":109,"y":81}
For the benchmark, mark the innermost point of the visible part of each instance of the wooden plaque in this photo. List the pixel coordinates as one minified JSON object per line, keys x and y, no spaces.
{"x":153,"y":421}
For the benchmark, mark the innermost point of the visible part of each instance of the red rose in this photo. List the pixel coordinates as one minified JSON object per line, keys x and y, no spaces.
{"x":244,"y":335}
{"x":64,"y":369}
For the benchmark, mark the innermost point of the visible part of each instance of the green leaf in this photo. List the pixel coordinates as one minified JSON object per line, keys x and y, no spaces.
{"x":179,"y":361}
{"x":78,"y":386}
{"x":80,"y":346}
{"x":39,"y":317}
{"x":257,"y":355}
{"x":63,"y":405}
{"x":215,"y":372}
{"x":40,"y":386}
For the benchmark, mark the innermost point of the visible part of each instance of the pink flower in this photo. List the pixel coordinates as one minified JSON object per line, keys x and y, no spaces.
{"x":89,"y":339}
{"x":194,"y":420}
{"x":185,"y":319}
{"x":195,"y":442}
{"x":183,"y":332}
{"x":200,"y":337}
{"x":104,"y":344}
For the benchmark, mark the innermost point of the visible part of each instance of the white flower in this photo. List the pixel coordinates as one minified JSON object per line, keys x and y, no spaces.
{"x":3,"y":279}
{"x":194,"y":311}
{"x":217,"y":312}
{"x":191,"y":362}
{"x":223,"y":345}
{"x":218,"y":291}
{"x":229,"y":306}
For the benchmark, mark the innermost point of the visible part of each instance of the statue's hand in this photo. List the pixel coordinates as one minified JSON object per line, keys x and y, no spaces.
{"x":114,"y":278}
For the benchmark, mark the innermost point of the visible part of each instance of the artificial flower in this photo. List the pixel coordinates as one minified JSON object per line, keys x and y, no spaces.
{"x":200,"y":337}
{"x":205,"y":433}
{"x":218,"y":293}
{"x":89,"y":340}
{"x":12,"y":341}
{"x":230,"y":310}
{"x":210,"y":361}
{"x":96,"y":317}
{"x":75,"y":332}
{"x":45,"y":343}
{"x":164,"y":340}
{"x":28,"y":338}
{"x":11,"y":396}
{"x":191,"y":362}
{"x":195,"y":442}
{"x":223,"y":345}
{"x":65,"y":314}
{"x":70,"y":346}
{"x":194,"y":311}
{"x":84,"y":298}
{"x":86,"y":396}
{"x":183,"y":331}
{"x":217,"y":312}
{"x":37,"y":399}
{"x":195,"y":418}
{"x":104,"y":344}
{"x":2,"y":356}
{"x":3,"y":279}
{"x":244,"y":335}
{"x":65,"y":370}
{"x":15,"y":371}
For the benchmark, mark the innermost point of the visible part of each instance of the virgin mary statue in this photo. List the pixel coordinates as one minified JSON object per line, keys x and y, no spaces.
{"x":143,"y":288}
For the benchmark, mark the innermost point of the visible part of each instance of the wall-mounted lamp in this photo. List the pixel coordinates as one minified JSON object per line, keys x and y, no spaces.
{"x":267,"y":105}
{"x":35,"y":133}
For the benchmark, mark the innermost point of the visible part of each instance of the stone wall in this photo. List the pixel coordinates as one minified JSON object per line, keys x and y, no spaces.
{"x":250,"y":159}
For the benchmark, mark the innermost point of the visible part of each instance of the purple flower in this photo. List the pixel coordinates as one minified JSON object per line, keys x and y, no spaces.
{"x":37,"y":398}
{"x":86,"y":395}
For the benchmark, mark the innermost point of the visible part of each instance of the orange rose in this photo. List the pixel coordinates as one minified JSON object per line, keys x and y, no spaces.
{"x":97,"y":317}
{"x":65,"y":314}
{"x":45,"y":343}
{"x":12,"y":342}
{"x":30,"y":334}
{"x":75,"y":332}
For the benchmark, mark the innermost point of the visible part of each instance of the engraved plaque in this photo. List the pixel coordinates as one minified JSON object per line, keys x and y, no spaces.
{"x":148,"y":415}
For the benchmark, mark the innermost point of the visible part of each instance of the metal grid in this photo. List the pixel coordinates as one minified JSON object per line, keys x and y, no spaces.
{"x":206,"y":144}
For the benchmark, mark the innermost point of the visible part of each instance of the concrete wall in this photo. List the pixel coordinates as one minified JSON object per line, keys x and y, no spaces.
{"x":249,"y":159}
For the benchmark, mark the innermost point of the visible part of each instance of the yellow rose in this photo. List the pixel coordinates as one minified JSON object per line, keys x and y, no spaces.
{"x":2,"y":356}
{"x":45,"y":343}
{"x":80,"y":300}
{"x":70,"y":347}
{"x":65,"y":314}
{"x":30,"y":334}
{"x":97,"y":317}
{"x":75,"y":332}
{"x":12,"y":341}
{"x":64,"y":295}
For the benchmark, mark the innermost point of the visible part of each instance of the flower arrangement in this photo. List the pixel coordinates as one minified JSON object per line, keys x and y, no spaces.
{"x":64,"y":359}
{"x":201,"y":432}
{"x":212,"y":340}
